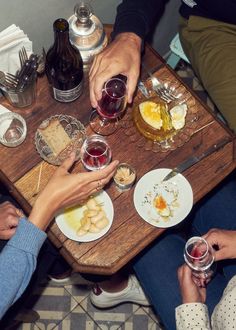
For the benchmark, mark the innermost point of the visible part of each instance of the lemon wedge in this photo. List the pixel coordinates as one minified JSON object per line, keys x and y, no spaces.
{"x":151,"y":113}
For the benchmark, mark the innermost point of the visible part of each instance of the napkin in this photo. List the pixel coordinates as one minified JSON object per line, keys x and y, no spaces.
{"x":12,"y":39}
{"x":4,"y":126}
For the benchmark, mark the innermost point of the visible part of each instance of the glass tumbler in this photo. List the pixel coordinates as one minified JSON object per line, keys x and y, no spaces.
{"x":23,"y":97}
{"x":13,"y":129}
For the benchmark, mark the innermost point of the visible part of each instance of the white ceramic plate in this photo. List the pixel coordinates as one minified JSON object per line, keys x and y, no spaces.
{"x":177,"y":192}
{"x":70,"y":232}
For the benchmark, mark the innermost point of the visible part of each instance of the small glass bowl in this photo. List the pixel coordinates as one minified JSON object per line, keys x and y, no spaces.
{"x":73,"y":128}
{"x":124,"y":177}
{"x":13,"y":129}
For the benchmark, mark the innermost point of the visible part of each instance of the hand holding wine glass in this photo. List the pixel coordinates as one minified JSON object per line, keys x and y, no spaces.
{"x":95,"y":153}
{"x":224,"y":240}
{"x":190,"y":291}
{"x":111,"y":105}
{"x":199,"y":256}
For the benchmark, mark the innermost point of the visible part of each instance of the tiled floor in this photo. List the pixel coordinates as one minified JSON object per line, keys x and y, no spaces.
{"x":68,"y":308}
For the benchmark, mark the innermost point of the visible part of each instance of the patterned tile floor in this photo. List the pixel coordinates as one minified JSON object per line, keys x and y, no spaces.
{"x":68,"y":307}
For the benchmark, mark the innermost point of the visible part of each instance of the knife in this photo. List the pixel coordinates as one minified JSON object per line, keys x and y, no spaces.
{"x":194,"y":159}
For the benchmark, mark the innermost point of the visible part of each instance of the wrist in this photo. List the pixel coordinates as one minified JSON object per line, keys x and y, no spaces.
{"x":41,"y":214}
{"x":131,"y":38}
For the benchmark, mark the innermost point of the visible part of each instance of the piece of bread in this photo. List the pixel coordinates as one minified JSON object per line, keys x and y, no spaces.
{"x":55,"y":136}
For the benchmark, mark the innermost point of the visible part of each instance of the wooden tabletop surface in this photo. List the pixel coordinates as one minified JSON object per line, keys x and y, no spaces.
{"x":129,"y":234}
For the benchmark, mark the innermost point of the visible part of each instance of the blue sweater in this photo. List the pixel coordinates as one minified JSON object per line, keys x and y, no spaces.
{"x":18,"y":261}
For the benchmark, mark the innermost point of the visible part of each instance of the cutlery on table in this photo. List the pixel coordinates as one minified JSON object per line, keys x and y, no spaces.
{"x":193,"y":160}
{"x":163,"y":90}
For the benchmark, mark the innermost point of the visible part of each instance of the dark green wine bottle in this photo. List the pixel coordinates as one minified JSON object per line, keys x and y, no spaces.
{"x":64,"y":65}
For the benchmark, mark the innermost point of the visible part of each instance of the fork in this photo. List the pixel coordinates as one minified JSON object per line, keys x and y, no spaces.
{"x":165,"y":92}
{"x":23,"y":56}
{"x":11,"y":81}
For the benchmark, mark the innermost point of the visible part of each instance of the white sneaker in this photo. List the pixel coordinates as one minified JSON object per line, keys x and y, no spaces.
{"x":132,"y":293}
{"x":73,"y":279}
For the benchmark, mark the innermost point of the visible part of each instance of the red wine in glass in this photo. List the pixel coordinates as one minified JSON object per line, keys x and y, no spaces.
{"x":110,"y":107}
{"x":199,"y":257}
{"x":113,"y":99}
{"x":95,"y":153}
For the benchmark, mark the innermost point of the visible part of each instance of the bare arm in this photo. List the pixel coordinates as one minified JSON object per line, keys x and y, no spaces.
{"x":19,"y":257}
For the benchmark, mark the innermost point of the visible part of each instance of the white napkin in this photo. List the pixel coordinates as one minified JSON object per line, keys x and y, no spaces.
{"x":12,"y":39}
{"x":4,"y":126}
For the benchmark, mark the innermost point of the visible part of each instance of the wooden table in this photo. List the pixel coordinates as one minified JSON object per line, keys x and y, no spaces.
{"x":129,"y":234}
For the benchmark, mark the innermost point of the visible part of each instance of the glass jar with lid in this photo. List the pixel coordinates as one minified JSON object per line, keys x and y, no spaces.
{"x":87,"y":32}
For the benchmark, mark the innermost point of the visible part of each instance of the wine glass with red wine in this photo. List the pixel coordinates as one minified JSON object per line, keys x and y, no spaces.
{"x":104,"y":120}
{"x":95,"y":153}
{"x":199,"y":256}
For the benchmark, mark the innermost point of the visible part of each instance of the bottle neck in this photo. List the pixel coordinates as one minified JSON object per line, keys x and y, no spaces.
{"x":61,"y":34}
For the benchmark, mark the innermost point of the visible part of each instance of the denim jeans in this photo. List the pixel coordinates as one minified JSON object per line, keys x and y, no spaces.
{"x":157,"y":266}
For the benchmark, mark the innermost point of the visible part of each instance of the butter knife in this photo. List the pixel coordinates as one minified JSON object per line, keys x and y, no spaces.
{"x":194,"y":159}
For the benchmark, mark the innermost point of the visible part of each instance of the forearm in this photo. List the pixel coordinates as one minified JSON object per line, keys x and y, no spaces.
{"x":42,"y":213}
{"x":18,"y":261}
{"x":137,"y":16}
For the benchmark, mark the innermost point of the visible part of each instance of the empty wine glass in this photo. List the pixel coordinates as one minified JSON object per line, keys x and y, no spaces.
{"x":199,"y":256}
{"x":104,"y":120}
{"x":95,"y":153}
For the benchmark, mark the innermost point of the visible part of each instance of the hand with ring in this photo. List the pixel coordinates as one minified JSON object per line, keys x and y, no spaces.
{"x":68,"y":189}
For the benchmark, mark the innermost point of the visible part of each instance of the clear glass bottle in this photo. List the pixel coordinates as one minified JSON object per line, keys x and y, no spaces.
{"x":86,"y":32}
{"x":64,"y":65}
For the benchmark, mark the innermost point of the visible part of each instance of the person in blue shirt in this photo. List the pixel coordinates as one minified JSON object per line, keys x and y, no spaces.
{"x":18,"y":258}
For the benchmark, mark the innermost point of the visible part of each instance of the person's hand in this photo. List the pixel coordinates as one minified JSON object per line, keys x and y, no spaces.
{"x":9,"y":219}
{"x":224,"y":240}
{"x":190,"y":291}
{"x":122,"y":56}
{"x":67,"y":189}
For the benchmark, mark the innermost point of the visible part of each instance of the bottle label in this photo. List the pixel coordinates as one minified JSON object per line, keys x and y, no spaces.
{"x":69,"y":95}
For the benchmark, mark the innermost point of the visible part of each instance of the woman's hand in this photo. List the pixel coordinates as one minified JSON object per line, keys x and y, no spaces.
{"x":122,"y":56}
{"x":225,"y":241}
{"x":9,"y":219}
{"x":68,"y":189}
{"x":190,"y":291}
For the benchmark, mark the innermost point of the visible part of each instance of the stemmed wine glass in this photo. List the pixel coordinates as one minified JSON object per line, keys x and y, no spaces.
{"x":199,"y":256}
{"x":95,"y":153}
{"x":104,"y":120}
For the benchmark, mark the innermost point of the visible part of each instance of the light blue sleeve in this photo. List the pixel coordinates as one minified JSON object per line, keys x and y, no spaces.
{"x":18,"y":261}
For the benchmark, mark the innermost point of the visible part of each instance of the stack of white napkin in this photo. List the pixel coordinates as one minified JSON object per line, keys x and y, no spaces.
{"x":12,"y":39}
{"x":7,"y":123}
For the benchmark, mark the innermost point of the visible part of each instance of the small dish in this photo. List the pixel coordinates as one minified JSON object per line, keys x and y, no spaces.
{"x":125,"y":176}
{"x":68,"y":224}
{"x":13,"y":129}
{"x":48,"y":143}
